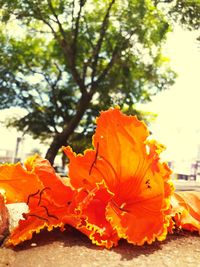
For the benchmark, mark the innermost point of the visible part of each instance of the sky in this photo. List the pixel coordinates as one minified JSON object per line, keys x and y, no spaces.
{"x":177,"y":125}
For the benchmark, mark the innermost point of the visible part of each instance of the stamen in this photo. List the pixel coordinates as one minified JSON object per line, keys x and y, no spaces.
{"x":122,"y":205}
{"x":48,"y":214}
{"x":37,"y":216}
{"x":119,"y":208}
{"x":147,"y":181}
{"x":115,"y":207}
{"x":41,"y":192}
{"x":148,"y":184}
{"x":97,"y":169}
{"x":95,"y":159}
{"x":111,"y":167}
{"x":143,"y":173}
{"x":32,"y":195}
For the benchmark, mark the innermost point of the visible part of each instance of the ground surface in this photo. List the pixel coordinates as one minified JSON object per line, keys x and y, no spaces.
{"x":72,"y":249}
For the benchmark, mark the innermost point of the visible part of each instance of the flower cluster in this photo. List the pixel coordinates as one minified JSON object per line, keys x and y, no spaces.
{"x":117,"y":189}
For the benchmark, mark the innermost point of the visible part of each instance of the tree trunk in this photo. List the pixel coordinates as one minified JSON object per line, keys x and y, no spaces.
{"x":61,"y":138}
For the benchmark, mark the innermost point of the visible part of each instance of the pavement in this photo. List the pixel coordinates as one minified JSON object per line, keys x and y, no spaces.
{"x":73,"y":249}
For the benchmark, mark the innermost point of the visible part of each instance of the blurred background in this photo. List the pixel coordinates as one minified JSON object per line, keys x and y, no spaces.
{"x":63,"y":61}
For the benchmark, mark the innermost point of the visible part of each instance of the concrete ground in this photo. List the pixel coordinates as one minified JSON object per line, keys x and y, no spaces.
{"x":72,"y":249}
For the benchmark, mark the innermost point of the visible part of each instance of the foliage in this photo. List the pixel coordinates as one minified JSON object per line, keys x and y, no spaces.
{"x":187,"y":13}
{"x":70,"y":59}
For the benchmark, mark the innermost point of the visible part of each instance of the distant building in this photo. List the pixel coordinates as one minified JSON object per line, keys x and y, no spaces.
{"x":6,"y":156}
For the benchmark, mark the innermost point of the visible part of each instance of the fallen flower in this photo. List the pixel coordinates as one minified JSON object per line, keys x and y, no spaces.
{"x":118,"y":189}
{"x":51,"y":203}
{"x":94,"y":224}
{"x":185,"y":210}
{"x":4,"y":222}
{"x":29,"y":185}
{"x":129,"y":166}
{"x":17,"y":183}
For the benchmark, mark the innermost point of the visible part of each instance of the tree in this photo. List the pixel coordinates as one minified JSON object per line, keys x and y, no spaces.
{"x":71,"y":58}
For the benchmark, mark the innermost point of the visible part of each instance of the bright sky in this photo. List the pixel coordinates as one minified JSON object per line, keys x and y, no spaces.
{"x":178,"y":123}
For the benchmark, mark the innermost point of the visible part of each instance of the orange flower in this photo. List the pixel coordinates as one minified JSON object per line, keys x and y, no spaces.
{"x":129,"y":166}
{"x":58,"y":192}
{"x":119,"y":189}
{"x":185,"y":210}
{"x":91,"y":208}
{"x":45,"y":194}
{"x":17,"y":183}
{"x":53,"y":203}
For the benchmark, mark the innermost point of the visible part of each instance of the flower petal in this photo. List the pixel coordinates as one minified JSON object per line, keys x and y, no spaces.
{"x":120,"y":141}
{"x":131,"y":169}
{"x":44,"y":216}
{"x":138,"y":213}
{"x":186,"y":210}
{"x":94,"y":223}
{"x":119,"y":150}
{"x":44,"y":192}
{"x":17,"y":183}
{"x":4,"y":219}
{"x":60,"y":193}
{"x":81,"y":173}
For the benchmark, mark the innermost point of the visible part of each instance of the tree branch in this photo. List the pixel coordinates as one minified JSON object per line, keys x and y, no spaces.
{"x":54,"y":97}
{"x":81,"y":82}
{"x":100,"y":41}
{"x":48,"y":24}
{"x":73,"y":70}
{"x":72,"y":12}
{"x":76,"y":30}
{"x":88,"y":30}
{"x":59,"y":75}
{"x":65,"y":47}
{"x":35,"y":88}
{"x":57,"y":19}
{"x":52,"y":85}
{"x":108,"y":67}
{"x":60,"y":139}
{"x":86,"y":63}
{"x":119,"y":47}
